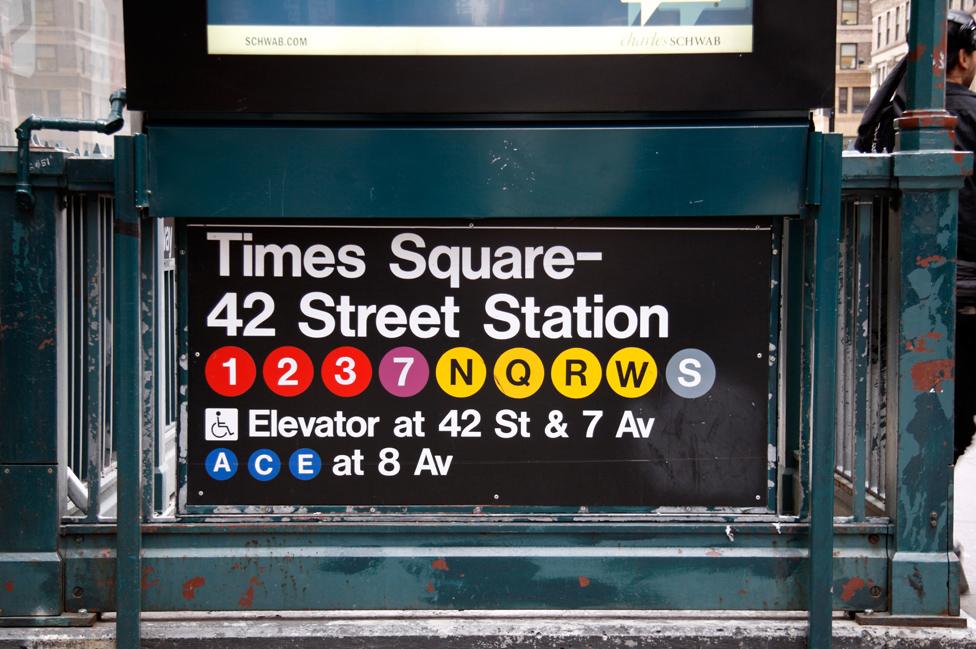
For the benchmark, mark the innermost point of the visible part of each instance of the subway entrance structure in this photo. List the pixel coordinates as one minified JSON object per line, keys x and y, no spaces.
{"x":563,"y":306}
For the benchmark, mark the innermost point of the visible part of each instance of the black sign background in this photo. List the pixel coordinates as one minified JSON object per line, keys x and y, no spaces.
{"x":710,"y":451}
{"x":168,"y":70}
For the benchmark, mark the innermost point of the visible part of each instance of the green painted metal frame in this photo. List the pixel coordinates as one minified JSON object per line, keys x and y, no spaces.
{"x":31,"y":345}
{"x":924,"y":568}
{"x":717,"y":559}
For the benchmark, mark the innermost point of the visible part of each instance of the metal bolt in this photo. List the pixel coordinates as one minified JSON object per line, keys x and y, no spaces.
{"x":759,"y":355}
{"x":199,"y":493}
{"x":874,"y":539}
{"x":7,"y":471}
{"x":758,"y":498}
{"x":50,"y":471}
{"x":372,"y":510}
{"x":197,"y":354}
{"x":78,"y":591}
{"x":934,"y":519}
{"x":182,"y":252}
{"x":495,"y":496}
{"x":584,"y":510}
{"x":875,"y":591}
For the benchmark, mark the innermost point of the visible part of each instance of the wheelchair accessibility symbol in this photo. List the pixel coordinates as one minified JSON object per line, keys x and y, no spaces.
{"x":221,"y":424}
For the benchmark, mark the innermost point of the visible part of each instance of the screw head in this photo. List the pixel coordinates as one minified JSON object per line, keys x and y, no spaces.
{"x":875,"y":591}
{"x":78,"y":591}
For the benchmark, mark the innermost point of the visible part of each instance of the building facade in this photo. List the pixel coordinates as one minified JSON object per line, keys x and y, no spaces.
{"x":853,"y":86}
{"x":890,"y":23}
{"x":59,"y":58}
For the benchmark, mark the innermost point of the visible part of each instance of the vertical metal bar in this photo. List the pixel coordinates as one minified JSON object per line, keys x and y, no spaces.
{"x":772,"y":481}
{"x":824,"y":397}
{"x":127,"y":417}
{"x":95,"y":324}
{"x":107,"y":217}
{"x":879,"y":385}
{"x":806,"y":360}
{"x":862,"y":333}
{"x":150,"y":366}
{"x":790,"y":356}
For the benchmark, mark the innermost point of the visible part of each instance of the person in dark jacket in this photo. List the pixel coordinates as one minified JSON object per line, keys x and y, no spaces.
{"x":876,"y":134}
{"x":961,"y":102}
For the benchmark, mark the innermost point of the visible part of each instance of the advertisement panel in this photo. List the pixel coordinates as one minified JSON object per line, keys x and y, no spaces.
{"x":355,"y":58}
{"x":478,"y":364}
{"x":478,"y":27}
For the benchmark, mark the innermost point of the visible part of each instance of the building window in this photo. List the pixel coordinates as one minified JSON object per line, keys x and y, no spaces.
{"x":888,"y":28}
{"x":908,"y":12}
{"x":44,"y":12}
{"x":842,"y":100}
{"x":879,"y":32}
{"x":897,"y":23}
{"x":860,"y":97}
{"x":848,"y":12}
{"x":29,"y":102}
{"x":54,"y":103}
{"x":848,"y":56}
{"x":47,"y":58}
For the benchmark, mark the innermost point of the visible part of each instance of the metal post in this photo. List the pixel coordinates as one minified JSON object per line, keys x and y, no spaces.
{"x":31,"y":399}
{"x":127,"y":416}
{"x":924,"y":571}
{"x":827,"y":251}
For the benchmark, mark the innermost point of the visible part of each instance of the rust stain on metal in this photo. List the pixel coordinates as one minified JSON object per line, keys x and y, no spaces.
{"x":915,"y":122}
{"x":47,"y":342}
{"x":853,"y":585}
{"x":584,"y":582}
{"x":917,"y":53}
{"x":8,"y":586}
{"x":430,"y":587}
{"x":190,"y":587}
{"x":918,"y":345}
{"x":148,"y":583}
{"x":929,"y":375}
{"x":713,"y":553}
{"x":929,"y":261}
{"x":440,"y":564}
{"x":248,"y":600}
{"x":743,"y":592}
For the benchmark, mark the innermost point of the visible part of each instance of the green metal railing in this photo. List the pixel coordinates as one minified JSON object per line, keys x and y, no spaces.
{"x":862,"y":452}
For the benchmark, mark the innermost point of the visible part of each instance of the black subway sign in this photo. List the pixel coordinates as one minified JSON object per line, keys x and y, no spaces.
{"x":466,"y":364}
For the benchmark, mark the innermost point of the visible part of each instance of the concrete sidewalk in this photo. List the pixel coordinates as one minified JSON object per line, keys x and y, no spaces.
{"x":964,"y":520}
{"x":487,"y":630}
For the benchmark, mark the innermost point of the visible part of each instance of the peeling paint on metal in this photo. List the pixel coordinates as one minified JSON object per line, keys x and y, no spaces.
{"x":148,"y":583}
{"x":584,"y":581}
{"x":851,"y":586}
{"x":440,"y":564}
{"x":932,"y":260}
{"x":190,"y":587}
{"x":248,"y":600}
{"x":928,"y":376}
